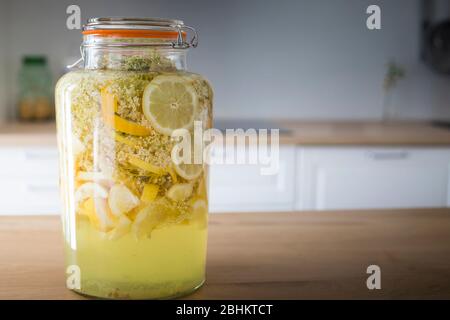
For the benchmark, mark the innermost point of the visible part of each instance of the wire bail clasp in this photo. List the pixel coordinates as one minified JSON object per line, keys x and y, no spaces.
{"x":79,"y":61}
{"x":181,"y":43}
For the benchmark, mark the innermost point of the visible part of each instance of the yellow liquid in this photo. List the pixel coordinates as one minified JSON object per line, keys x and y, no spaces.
{"x":169,"y":264}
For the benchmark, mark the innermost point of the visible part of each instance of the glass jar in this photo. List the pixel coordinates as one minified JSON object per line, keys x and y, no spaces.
{"x":134,"y":219}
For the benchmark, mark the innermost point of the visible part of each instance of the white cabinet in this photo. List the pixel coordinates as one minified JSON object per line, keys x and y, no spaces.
{"x":29,"y":180}
{"x":29,"y":183}
{"x":243,"y":187}
{"x":364,"y":177}
{"x":309,"y":178}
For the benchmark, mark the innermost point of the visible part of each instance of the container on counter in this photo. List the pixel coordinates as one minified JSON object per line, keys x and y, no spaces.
{"x":134,"y":219}
{"x":35,"y":90}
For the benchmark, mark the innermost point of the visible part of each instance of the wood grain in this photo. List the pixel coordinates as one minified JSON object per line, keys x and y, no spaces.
{"x":367,"y":133}
{"x":28,"y":134}
{"x":325,"y":133}
{"x":300,"y":255}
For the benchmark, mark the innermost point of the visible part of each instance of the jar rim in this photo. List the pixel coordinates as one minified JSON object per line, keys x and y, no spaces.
{"x":135,"y":33}
{"x":117,"y":21}
{"x":149,"y":28}
{"x":118,"y":24}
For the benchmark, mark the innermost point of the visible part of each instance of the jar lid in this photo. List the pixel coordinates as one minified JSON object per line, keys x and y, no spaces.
{"x":152,"y":28}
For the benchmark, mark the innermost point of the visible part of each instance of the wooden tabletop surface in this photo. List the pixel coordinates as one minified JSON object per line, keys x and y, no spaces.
{"x":372,"y":133}
{"x":28,"y":134}
{"x":298,"y":255}
{"x":324,"y":133}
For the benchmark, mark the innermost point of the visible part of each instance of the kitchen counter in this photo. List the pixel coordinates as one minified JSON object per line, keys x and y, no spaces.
{"x":365,"y":133}
{"x":331,"y":133}
{"x":297,"y":255}
{"x":28,"y":134}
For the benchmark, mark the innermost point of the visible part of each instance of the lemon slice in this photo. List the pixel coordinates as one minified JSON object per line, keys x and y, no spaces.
{"x":202,"y":189}
{"x":87,"y":190}
{"x":169,"y":103}
{"x":180,"y":192}
{"x":121,"y":229}
{"x":146,"y":220}
{"x":120,"y":138}
{"x":121,"y":200}
{"x":150,"y":192}
{"x":200,"y":213}
{"x":97,"y":211}
{"x":189,"y":171}
{"x":146,"y":166}
{"x":77,"y":146}
{"x":87,"y":208}
{"x":109,"y":107}
{"x":103,"y":213}
{"x":92,"y":176}
{"x":129,"y":127}
{"x":172,"y":174}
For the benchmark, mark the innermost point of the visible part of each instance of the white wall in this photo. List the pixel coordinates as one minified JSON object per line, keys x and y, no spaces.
{"x":297,"y":59}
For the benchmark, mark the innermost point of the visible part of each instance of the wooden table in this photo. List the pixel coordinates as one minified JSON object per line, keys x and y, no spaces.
{"x":297,"y":255}
{"x":315,"y":133}
{"x":366,"y":133}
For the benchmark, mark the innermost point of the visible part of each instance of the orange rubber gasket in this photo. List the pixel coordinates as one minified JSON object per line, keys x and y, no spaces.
{"x":129,"y":33}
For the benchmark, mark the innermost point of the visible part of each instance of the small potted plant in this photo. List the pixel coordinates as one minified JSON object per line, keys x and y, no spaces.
{"x":394,"y":73}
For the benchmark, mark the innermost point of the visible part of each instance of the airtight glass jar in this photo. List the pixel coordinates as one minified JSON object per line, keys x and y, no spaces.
{"x":134,"y":220}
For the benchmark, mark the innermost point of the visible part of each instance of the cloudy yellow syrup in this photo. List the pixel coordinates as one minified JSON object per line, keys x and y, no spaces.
{"x":135,"y":223}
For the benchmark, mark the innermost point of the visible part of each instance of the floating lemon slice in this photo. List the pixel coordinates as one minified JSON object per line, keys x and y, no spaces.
{"x":202,"y":189}
{"x":189,"y":171}
{"x":180,"y":192}
{"x":172,"y":174}
{"x":150,"y":192}
{"x":97,"y":211}
{"x":89,"y":190}
{"x":200,"y":213}
{"x":121,"y":200}
{"x":104,"y":214}
{"x":121,"y":229}
{"x":122,"y":139}
{"x":169,"y":103}
{"x":192,"y":170}
{"x":146,"y":220}
{"x":92,"y":176}
{"x":146,"y":166}
{"x":109,"y":106}
{"x":129,"y":127}
{"x":77,"y":146}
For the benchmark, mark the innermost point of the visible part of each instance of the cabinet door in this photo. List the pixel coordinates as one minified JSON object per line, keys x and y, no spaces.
{"x":31,"y":161}
{"x":353,"y":178}
{"x":29,"y":181}
{"x":28,"y":196}
{"x":238,"y":188}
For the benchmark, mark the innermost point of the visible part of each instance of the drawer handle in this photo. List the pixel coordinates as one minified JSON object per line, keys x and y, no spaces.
{"x":388,"y":155}
{"x":36,"y":155}
{"x":42,"y":189}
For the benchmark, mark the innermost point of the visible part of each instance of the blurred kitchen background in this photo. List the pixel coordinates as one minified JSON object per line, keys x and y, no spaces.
{"x":363,"y":112}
